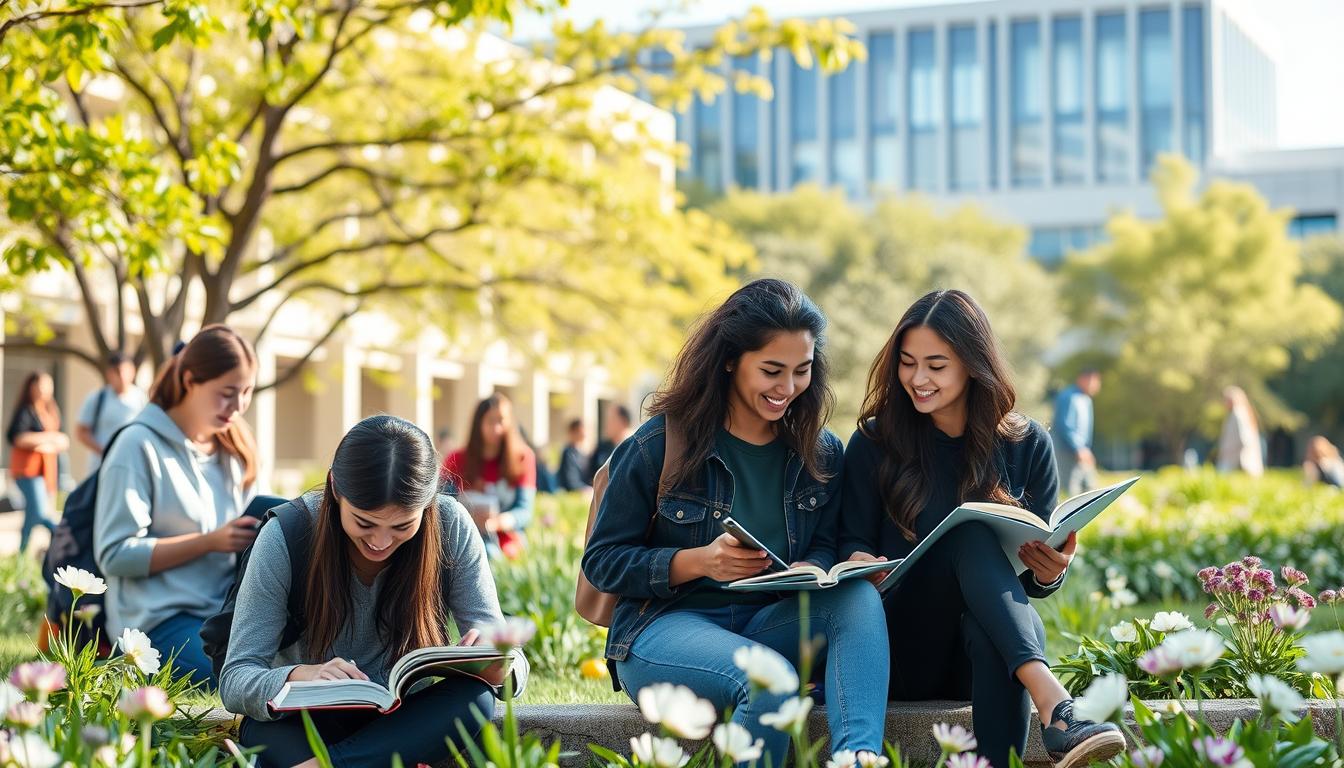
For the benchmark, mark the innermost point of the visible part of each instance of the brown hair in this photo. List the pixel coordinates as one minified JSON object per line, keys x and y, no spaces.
{"x":906,"y":436}
{"x":214,"y":351}
{"x":381,"y":461}
{"x":696,"y":393}
{"x":48,"y":411}
{"x":512,"y":449}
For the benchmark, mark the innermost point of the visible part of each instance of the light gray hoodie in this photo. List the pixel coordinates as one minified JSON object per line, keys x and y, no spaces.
{"x":155,"y":484}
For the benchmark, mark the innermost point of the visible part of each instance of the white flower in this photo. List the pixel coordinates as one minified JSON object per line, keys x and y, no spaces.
{"x":1170,"y":621}
{"x":1286,"y":617}
{"x":967,"y":760}
{"x":80,"y":581}
{"x":1123,"y":598}
{"x":845,"y":758}
{"x":1124,"y":632}
{"x":678,"y":709}
{"x":512,"y":632}
{"x":147,"y":703}
{"x":29,"y":750}
{"x":1102,"y":699}
{"x":1163,"y":570}
{"x":873,"y":760}
{"x":1276,"y":696}
{"x":105,"y":756}
{"x":734,"y":742}
{"x":1195,"y":648}
{"x":1116,"y":583}
{"x":766,"y":669}
{"x":792,"y":714}
{"x":1169,"y":708}
{"x":9,"y":696}
{"x":135,"y":646}
{"x":953,"y":739}
{"x":1325,"y":653}
{"x":658,"y":753}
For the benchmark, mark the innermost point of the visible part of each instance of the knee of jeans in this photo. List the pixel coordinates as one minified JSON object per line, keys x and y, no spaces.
{"x":974,"y":535}
{"x":974,"y":634}
{"x":849,"y":599}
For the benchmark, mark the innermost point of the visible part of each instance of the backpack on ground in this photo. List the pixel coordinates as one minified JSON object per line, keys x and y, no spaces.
{"x":592,"y":604}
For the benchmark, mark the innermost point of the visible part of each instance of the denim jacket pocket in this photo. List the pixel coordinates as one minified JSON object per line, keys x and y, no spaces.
{"x":811,"y":498}
{"x":682,"y":511}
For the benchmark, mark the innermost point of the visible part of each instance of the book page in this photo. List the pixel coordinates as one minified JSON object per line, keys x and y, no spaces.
{"x":1074,"y":503}
{"x":800,"y":573}
{"x":305,"y":694}
{"x":1008,"y":511}
{"x":860,"y":567}
{"x":447,"y":658}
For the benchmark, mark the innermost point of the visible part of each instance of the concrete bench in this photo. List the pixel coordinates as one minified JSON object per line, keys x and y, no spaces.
{"x":908,"y":725}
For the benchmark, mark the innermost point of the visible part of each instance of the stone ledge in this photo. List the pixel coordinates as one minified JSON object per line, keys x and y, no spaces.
{"x":908,"y":724}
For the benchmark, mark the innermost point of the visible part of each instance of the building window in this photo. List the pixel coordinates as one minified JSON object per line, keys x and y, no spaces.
{"x":992,"y":109}
{"x":746,"y":130}
{"x":922,"y":107}
{"x":882,"y":113}
{"x":1155,"y":92}
{"x":805,"y":155}
{"x":1050,"y":245}
{"x":1192,"y":82}
{"x":1310,"y":225}
{"x":846,"y":157}
{"x":965,"y":103}
{"x":1112,"y":93}
{"x":1028,"y":103}
{"x":708,"y":145}
{"x":1067,"y":76}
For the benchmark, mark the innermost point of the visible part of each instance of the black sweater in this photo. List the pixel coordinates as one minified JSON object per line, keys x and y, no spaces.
{"x":1026,"y":467}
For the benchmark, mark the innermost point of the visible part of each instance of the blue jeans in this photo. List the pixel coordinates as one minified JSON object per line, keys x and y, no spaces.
{"x":181,"y":634}
{"x":36,"y":505}
{"x":695,"y":648}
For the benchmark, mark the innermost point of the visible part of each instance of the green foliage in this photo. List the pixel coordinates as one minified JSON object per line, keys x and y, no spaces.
{"x":1312,"y":383}
{"x":864,"y":266}
{"x":1182,"y":306}
{"x":23,"y":595}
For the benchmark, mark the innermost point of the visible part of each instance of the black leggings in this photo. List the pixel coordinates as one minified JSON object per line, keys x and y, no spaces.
{"x":960,"y":626}
{"x":418,"y":730}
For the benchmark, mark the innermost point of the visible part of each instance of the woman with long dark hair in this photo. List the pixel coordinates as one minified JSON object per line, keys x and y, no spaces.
{"x":748,"y":398}
{"x":938,"y":428}
{"x":35,"y":440}
{"x":495,"y":475}
{"x":171,"y":495}
{"x":375,"y":590}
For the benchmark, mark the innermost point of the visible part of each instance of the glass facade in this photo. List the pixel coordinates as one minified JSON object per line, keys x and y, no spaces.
{"x":1310,"y":225}
{"x":1192,"y":83}
{"x":992,"y":110}
{"x":1027,"y":104}
{"x":965,"y":107}
{"x":1050,"y":245}
{"x":746,"y":130}
{"x":1112,"y":95}
{"x":882,"y":112}
{"x":846,"y":154}
{"x":1066,"y":70}
{"x":923,"y":110}
{"x":1155,"y":92}
{"x":708,"y":147}
{"x":805,"y":149}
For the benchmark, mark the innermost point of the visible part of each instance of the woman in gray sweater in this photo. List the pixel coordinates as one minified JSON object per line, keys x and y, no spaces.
{"x":375,"y":589}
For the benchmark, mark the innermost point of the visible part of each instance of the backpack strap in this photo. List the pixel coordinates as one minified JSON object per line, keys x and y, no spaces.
{"x":297,"y":525}
{"x":98,"y":411}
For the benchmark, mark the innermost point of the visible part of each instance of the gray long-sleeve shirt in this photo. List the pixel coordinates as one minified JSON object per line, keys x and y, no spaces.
{"x":256,"y":666}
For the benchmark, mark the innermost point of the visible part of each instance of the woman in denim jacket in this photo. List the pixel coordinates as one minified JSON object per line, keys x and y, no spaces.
{"x":748,"y":397}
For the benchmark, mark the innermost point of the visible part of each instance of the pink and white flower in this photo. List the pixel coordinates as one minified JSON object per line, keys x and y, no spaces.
{"x":967,"y":760}
{"x":953,"y":739}
{"x":658,"y":752}
{"x":677,"y":709}
{"x":146,"y":704}
{"x":1286,"y":617}
{"x":39,"y":678}
{"x":735,"y":743}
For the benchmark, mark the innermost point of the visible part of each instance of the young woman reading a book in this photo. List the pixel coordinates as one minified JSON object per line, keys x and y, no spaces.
{"x":746,"y":401}
{"x":375,"y":590}
{"x":496,"y":475}
{"x":938,"y":428}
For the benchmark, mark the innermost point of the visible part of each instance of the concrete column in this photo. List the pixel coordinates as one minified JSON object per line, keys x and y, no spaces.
{"x":338,"y":397}
{"x":1089,"y":97}
{"x":474,"y":386}
{"x":263,"y":416}
{"x":413,"y":399}
{"x":534,"y":408}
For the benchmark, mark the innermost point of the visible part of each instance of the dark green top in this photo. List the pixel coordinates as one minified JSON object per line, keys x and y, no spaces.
{"x":758,"y":505}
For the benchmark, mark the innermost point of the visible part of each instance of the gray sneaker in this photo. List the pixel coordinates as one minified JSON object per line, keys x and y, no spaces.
{"x":1081,"y":742}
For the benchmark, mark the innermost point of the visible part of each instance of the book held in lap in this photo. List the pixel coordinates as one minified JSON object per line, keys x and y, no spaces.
{"x":476,"y":661}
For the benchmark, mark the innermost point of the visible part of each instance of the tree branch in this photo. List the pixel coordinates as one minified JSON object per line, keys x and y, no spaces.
{"x":159,"y":117}
{"x":295,"y":369}
{"x":63,"y":349}
{"x":36,"y":16}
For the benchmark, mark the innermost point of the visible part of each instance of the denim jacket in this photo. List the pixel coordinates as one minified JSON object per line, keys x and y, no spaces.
{"x":621,"y":560}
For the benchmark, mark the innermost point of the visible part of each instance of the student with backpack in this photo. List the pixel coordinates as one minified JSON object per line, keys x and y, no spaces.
{"x":171,"y":492}
{"x":387,"y":563}
{"x":744,"y":408}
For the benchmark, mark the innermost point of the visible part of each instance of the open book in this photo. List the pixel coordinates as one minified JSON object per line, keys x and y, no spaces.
{"x":1016,"y":526}
{"x":434,"y":661}
{"x":808,"y":577}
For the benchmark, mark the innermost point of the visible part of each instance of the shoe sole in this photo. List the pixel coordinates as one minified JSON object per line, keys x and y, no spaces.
{"x":1094,"y":749}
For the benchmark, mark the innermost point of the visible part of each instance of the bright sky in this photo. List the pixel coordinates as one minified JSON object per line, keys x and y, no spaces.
{"x":1305,"y":37}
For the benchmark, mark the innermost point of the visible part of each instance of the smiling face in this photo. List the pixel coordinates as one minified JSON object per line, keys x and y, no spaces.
{"x":935,"y":378}
{"x":210,"y":406}
{"x":375,"y":534}
{"x":767,"y":380}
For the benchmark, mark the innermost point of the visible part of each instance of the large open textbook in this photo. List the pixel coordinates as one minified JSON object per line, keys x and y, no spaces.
{"x":435,"y":661}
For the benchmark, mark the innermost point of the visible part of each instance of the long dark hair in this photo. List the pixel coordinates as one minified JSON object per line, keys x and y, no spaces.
{"x":381,"y":461}
{"x":214,"y":351}
{"x":906,"y":436}
{"x":695,"y":396}
{"x":49,"y":413}
{"x":512,"y":448}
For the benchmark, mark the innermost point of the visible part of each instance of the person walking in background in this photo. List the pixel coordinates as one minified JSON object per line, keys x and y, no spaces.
{"x":35,"y":440}
{"x":110,"y":408}
{"x":1071,"y":432}
{"x":570,"y":476}
{"x":619,"y":425}
{"x":495,"y":476}
{"x":171,"y":495}
{"x":1323,"y":463}
{"x":1239,"y":443}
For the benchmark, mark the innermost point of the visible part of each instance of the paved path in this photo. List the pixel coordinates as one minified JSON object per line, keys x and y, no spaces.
{"x":10,"y":525}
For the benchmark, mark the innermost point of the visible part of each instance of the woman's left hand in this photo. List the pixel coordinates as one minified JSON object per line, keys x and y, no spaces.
{"x":493,"y":674}
{"x":1047,"y":564}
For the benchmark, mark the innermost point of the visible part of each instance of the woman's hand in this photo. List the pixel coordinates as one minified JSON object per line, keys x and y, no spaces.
{"x":863,"y":557}
{"x":725,"y":559}
{"x":235,"y":535}
{"x":1047,"y":564}
{"x":493,"y":674}
{"x":336,"y":669}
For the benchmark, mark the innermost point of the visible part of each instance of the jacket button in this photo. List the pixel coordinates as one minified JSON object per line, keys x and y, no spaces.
{"x":812,"y":501}
{"x":680,"y":514}
{"x":716,"y":514}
